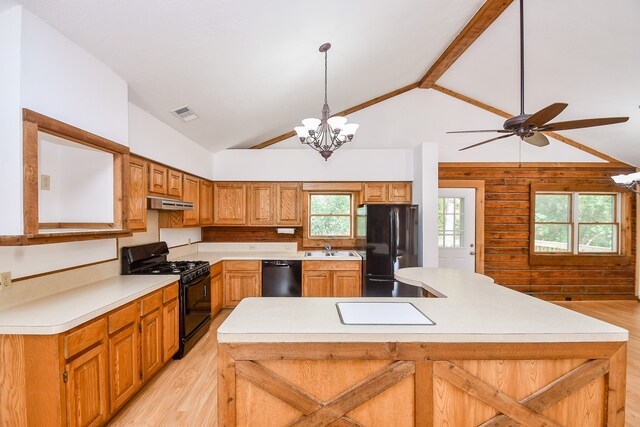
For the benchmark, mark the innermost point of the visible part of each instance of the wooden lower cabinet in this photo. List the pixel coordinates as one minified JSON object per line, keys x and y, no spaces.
{"x":216,"y":294}
{"x":242,"y":279}
{"x":87,"y":388}
{"x":331,"y":278}
{"x":85,"y":375}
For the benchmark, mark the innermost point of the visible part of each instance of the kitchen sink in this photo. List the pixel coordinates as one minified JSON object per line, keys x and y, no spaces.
{"x":324,"y":254}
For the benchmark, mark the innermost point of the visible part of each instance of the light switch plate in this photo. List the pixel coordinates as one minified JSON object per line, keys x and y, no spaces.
{"x":5,"y":279}
{"x":45,"y":182}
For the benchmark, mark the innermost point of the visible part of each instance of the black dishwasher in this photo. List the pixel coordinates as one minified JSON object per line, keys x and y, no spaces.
{"x":281,"y":278}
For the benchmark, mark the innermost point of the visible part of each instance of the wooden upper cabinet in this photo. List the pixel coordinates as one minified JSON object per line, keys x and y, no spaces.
{"x":386,"y":192}
{"x":375,"y":192}
{"x":174,"y":183}
{"x":137,"y":194}
{"x":191,"y":193}
{"x":262,"y":204}
{"x":229,"y":203}
{"x":157,"y":179}
{"x":289,"y":204}
{"x":399,"y":192}
{"x":206,"y":202}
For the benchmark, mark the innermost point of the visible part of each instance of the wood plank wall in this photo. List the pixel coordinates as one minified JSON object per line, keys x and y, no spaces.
{"x":507,"y":233}
{"x":250,"y":234}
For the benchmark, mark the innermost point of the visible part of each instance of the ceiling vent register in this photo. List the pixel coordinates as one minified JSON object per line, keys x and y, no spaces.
{"x":185,"y":113}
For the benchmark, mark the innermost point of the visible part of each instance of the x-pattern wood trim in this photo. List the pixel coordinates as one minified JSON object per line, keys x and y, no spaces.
{"x":527,"y":411}
{"x":316,"y":412}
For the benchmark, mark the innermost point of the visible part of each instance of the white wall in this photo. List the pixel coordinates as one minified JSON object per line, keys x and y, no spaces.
{"x":425,"y":194}
{"x":63,"y":81}
{"x":308,"y":165}
{"x":149,"y":137}
{"x":10,"y":123}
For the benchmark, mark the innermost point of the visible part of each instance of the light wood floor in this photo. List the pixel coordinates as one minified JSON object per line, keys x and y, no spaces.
{"x":184,"y":392}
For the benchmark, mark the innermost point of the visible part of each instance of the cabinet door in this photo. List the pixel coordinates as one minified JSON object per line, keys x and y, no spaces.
{"x":191,"y":193}
{"x":124,"y":365}
{"x":240,"y":284}
{"x":174,"y":183}
{"x":86,"y":388}
{"x":151,"y":344}
{"x":157,"y":179}
{"x":216,"y":294}
{"x":262,"y":204}
{"x":289,"y":204}
{"x":137,"y":194}
{"x":347,"y":284}
{"x":316,"y":283}
{"x":400,"y":192}
{"x":206,"y":202}
{"x":170,"y":330}
{"x":229,"y":203}
{"x":375,"y":192}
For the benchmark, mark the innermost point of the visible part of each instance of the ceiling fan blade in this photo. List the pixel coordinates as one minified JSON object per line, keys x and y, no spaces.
{"x":488,"y":140}
{"x":538,"y":139}
{"x":544,"y":115}
{"x":477,"y":131}
{"x":584,"y":123}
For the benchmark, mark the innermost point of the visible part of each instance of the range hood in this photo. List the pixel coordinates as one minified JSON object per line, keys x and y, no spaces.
{"x":164,"y":204}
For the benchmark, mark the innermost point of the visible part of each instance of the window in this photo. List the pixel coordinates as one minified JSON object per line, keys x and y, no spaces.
{"x":450,"y":222}
{"x":580,"y":224}
{"x":330,"y":215}
{"x":576,"y":223}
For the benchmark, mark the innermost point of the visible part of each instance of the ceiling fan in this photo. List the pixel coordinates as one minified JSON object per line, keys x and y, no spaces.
{"x":529,"y":127}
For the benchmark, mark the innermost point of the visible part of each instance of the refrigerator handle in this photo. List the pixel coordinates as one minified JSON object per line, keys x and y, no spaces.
{"x":393,"y":223}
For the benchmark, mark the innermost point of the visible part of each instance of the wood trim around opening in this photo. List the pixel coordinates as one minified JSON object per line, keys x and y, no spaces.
{"x":478,"y":184}
{"x":337,"y":242}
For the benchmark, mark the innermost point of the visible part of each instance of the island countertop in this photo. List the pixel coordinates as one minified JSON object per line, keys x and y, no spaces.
{"x":469,"y":308}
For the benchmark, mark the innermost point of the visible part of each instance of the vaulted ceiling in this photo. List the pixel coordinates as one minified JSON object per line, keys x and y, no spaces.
{"x":251,"y":69}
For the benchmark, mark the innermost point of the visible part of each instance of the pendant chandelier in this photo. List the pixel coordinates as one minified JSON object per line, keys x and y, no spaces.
{"x":327,"y":134}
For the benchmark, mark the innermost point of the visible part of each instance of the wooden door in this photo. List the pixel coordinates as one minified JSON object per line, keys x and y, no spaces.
{"x":157,"y":179}
{"x":262,"y":204}
{"x":216,"y":294}
{"x":151,"y":344}
{"x":174,"y":183}
{"x":170,"y":330}
{"x":400,"y":192}
{"x":347,"y":284}
{"x":86,"y":388}
{"x":124,"y":366}
{"x":316,"y":283}
{"x":229,"y":203}
{"x":375,"y":192}
{"x":137,"y":194}
{"x":191,"y":193}
{"x":289,"y":204}
{"x":239,"y":285}
{"x":206,"y":202}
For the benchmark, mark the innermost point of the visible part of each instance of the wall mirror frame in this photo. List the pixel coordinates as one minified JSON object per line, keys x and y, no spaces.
{"x":36,"y":232}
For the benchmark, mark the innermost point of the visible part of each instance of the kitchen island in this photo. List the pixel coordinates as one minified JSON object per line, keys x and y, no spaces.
{"x":493,"y":356}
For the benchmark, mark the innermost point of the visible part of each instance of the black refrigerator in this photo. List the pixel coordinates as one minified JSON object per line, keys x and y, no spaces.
{"x":387,"y":240}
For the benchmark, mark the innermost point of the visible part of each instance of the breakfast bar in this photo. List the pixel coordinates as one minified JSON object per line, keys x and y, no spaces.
{"x":489,"y":356}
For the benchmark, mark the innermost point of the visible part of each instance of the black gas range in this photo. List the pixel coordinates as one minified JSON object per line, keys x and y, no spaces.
{"x":195,"y":287}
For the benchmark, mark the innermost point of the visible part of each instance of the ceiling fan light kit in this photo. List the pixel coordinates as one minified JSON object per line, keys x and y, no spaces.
{"x":630,"y":181}
{"x":529,"y":127}
{"x":327,"y":134}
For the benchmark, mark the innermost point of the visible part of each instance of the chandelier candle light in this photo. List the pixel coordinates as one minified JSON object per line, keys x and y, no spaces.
{"x":328,"y":134}
{"x":630,"y":182}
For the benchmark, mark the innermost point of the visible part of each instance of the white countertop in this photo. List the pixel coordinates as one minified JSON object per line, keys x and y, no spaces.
{"x":214,"y":256}
{"x":471,"y":308}
{"x":63,"y":311}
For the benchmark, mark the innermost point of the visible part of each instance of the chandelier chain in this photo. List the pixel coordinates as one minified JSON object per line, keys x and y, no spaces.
{"x":325,"y":77}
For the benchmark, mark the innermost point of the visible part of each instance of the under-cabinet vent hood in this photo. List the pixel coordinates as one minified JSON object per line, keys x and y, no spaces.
{"x":161,"y":203}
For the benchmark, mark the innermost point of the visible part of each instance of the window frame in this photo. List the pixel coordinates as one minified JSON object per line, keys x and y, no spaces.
{"x":622,"y":214}
{"x":336,"y":241}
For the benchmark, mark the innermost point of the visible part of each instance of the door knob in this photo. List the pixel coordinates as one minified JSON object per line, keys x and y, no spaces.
{"x":471,"y":245}
{"x":472,"y":253}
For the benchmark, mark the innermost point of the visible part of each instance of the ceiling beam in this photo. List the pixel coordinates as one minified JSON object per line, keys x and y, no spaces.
{"x":485,"y":16}
{"x":506,"y":115}
{"x":343,"y":113}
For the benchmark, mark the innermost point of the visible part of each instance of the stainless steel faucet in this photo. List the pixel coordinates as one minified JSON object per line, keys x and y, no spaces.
{"x":327,"y":248}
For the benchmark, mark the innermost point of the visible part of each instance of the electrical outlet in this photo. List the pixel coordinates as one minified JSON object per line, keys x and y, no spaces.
{"x":5,"y":279}
{"x":252,"y":247}
{"x":189,"y":242}
{"x":288,"y":247}
{"x":45,"y":182}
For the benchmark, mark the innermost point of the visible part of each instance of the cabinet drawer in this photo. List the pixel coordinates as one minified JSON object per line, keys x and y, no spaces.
{"x":330,"y":265}
{"x":150,"y":303}
{"x":83,"y":338}
{"x":170,"y":293}
{"x":123,"y":317}
{"x":242,"y":265}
